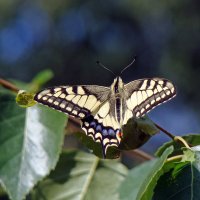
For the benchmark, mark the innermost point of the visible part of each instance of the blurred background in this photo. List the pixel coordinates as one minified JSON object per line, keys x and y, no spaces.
{"x":69,"y":36}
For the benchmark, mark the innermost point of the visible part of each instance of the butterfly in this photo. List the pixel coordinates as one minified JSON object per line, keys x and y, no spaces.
{"x":104,"y":110}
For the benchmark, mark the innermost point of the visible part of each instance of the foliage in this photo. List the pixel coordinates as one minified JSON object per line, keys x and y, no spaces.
{"x":31,"y":141}
{"x":81,"y":175}
{"x":34,"y":163}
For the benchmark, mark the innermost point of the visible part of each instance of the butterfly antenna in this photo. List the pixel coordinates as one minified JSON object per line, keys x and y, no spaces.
{"x":103,"y":66}
{"x":134,"y":59}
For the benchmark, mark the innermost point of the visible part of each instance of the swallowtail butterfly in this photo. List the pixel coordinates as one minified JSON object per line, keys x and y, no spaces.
{"x":104,"y":110}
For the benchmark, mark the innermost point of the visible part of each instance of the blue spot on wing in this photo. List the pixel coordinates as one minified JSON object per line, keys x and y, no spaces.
{"x":105,"y":132}
{"x":98,"y":128}
{"x":93,"y":124}
{"x":111,"y":132}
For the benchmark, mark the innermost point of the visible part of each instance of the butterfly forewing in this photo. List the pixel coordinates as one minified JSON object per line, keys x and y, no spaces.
{"x":78,"y":101}
{"x":145,"y":94}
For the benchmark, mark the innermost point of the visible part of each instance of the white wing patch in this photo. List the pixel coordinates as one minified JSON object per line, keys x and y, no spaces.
{"x":104,"y":110}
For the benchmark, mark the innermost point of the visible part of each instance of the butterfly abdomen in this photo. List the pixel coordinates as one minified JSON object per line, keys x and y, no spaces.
{"x":118,"y":109}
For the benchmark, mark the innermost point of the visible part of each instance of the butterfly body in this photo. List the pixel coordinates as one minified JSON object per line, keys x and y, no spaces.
{"x":104,"y":110}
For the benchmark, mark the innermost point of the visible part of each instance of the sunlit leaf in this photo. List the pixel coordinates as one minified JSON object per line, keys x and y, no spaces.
{"x":30,"y":144}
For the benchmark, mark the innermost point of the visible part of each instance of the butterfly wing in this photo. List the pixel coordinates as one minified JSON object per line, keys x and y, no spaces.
{"x":143,"y":95}
{"x":77,"y":101}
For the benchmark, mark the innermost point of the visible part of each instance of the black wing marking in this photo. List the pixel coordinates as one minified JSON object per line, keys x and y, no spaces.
{"x":145,"y":94}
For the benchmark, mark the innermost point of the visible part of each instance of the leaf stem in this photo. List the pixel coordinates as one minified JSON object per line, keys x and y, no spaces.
{"x":89,"y":178}
{"x":174,"y":158}
{"x":165,"y":131}
{"x":8,"y":85}
{"x":180,"y":139}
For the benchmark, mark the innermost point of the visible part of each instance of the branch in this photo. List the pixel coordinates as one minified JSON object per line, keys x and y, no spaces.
{"x":138,"y":153}
{"x":8,"y":85}
{"x":165,"y":131}
{"x":173,"y":137}
{"x":180,"y":139}
{"x":175,"y":158}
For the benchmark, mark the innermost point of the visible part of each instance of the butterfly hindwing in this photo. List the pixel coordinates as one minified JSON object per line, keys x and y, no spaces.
{"x":103,"y":128}
{"x":77,"y":101}
{"x":145,"y":94}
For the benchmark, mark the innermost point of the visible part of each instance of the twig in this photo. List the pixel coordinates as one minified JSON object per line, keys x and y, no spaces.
{"x":139,"y":153}
{"x":164,"y":131}
{"x":8,"y":85}
{"x":180,"y":139}
{"x":174,"y":158}
{"x":74,"y":121}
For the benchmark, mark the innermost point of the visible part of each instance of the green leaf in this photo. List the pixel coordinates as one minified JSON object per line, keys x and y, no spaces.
{"x":25,"y":99}
{"x":146,"y":125}
{"x":30,"y":144}
{"x":183,"y":179}
{"x":80,"y":176}
{"x":190,"y":139}
{"x":188,"y":155}
{"x":137,"y":132}
{"x":141,"y":180}
{"x":185,"y":185}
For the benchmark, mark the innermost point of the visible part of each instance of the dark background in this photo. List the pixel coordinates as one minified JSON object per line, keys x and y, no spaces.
{"x":69,"y":36}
